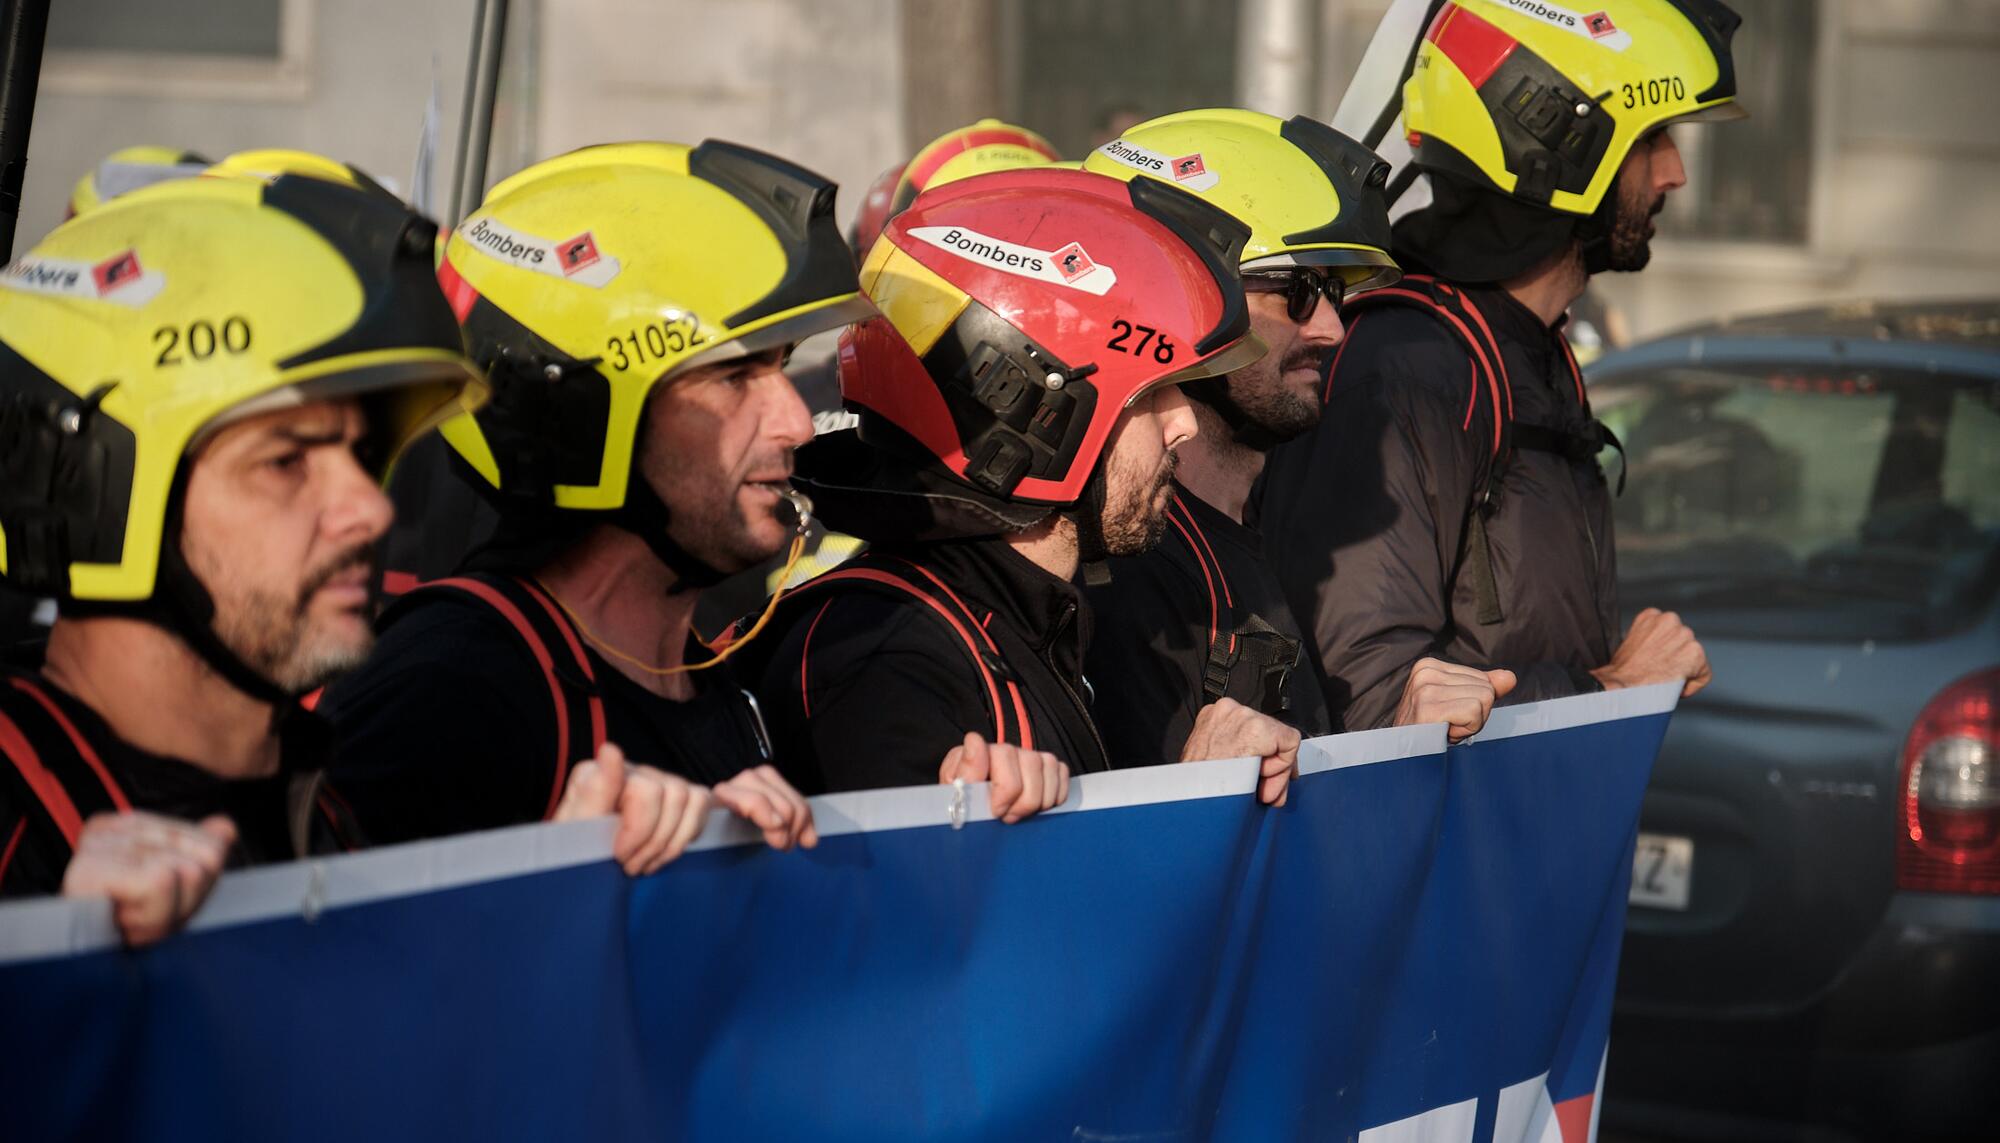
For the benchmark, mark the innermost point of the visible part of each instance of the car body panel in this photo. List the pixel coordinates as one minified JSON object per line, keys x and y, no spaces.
{"x":1801,"y":994}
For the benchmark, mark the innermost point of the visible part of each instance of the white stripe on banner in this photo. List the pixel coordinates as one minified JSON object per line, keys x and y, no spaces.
{"x":50,"y":927}
{"x":1563,"y":714}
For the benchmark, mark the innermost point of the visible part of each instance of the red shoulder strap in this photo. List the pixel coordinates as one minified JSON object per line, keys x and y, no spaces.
{"x":962,"y":624}
{"x":498,"y":600}
{"x":49,"y":789}
{"x":1423,"y":292}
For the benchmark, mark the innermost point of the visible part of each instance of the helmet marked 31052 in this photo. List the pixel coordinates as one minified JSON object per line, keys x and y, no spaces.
{"x":572,"y":259}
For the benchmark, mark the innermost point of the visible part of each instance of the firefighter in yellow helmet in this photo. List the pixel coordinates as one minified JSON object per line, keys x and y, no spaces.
{"x":201,"y":385}
{"x":270,"y":162}
{"x":1199,"y":626}
{"x":127,"y":169}
{"x":634,"y":304}
{"x":1471,"y":519}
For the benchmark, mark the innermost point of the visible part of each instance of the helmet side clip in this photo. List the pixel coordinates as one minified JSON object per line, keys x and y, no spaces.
{"x":56,"y":458}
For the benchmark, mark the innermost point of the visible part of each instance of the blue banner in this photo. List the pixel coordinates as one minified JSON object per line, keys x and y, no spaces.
{"x":1421,"y":945}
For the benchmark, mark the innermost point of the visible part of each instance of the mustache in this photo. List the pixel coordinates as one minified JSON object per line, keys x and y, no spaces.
{"x":783,"y":459}
{"x":1314,"y":358}
{"x":360,"y":555}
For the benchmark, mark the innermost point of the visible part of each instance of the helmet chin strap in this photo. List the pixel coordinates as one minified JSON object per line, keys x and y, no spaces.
{"x":646,"y":516}
{"x":1594,"y":233}
{"x":182,"y":606}
{"x":1091,"y":552}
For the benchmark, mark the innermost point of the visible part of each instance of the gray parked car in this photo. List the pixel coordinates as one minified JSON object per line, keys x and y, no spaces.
{"x":1813,"y":948}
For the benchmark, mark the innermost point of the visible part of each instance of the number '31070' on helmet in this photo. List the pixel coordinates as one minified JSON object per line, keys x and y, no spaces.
{"x":1541,"y":101}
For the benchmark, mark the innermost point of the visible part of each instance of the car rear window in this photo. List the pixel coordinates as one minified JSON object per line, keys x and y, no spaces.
{"x":1808,"y":501}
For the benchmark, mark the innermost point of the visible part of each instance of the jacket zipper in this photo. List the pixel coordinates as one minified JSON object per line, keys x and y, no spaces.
{"x":1082,"y":708}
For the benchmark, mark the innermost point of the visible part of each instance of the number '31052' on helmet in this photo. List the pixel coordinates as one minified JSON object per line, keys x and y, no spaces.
{"x":588,"y":279}
{"x":1023,"y":311}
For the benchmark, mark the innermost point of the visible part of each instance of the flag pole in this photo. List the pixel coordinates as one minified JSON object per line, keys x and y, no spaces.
{"x":24,"y":27}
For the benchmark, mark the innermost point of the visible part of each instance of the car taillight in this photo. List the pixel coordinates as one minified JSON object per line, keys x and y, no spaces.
{"x":1950,"y":824}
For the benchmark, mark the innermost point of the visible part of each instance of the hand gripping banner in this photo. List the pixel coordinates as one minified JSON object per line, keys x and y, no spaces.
{"x":1421,"y":945}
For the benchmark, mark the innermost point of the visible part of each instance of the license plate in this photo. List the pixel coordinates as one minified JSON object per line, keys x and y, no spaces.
{"x":1662,"y":870}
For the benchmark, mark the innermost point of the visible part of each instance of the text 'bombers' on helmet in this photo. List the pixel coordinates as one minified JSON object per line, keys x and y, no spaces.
{"x":137,"y":328}
{"x":1310,"y":195}
{"x":597,"y":274}
{"x":1541,"y":101}
{"x":1022,"y":311}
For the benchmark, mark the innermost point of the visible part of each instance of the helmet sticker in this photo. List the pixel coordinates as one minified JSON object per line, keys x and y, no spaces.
{"x":1188,"y":170}
{"x":1067,"y":266}
{"x":119,"y":278}
{"x":1597,"y":26}
{"x":574,"y":259}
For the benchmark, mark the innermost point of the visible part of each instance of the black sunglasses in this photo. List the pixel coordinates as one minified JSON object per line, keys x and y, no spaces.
{"x":1302,"y":288}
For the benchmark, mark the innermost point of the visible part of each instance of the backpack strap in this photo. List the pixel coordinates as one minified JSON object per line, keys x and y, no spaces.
{"x":941,"y":601}
{"x":55,"y":761}
{"x":527,"y":610}
{"x":1461,"y":316}
{"x":1221,"y":657}
{"x":1576,"y":447}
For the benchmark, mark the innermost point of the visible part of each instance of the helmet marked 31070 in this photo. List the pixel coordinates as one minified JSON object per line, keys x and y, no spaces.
{"x":1596,"y":26}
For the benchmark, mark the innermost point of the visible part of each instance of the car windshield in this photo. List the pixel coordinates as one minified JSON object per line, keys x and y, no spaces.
{"x":1810,"y":501}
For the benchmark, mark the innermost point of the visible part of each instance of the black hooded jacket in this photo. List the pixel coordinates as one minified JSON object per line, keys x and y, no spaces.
{"x":1365,"y":519}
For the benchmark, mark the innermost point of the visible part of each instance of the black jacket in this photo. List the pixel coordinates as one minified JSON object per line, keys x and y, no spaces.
{"x":451,"y":726}
{"x":60,"y":763}
{"x":865,"y":685}
{"x":1365,"y":519}
{"x":1198,"y":617}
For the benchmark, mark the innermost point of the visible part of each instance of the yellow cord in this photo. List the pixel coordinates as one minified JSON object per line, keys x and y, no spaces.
{"x":798,"y":552}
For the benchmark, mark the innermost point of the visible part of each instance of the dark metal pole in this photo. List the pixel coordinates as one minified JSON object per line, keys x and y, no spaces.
{"x":1387,"y":117}
{"x":24,"y":26}
{"x":478,"y":123}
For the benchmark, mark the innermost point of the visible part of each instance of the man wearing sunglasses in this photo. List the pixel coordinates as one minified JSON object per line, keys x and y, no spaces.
{"x":1451,"y":501}
{"x":1201,"y":619}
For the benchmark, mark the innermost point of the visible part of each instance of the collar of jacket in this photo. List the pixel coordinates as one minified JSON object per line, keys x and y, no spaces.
{"x":1515,"y":324}
{"x":1003,"y":587}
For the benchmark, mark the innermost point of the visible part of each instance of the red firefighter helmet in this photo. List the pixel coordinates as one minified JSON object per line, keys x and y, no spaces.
{"x":874,"y":212}
{"x":984,"y":147}
{"x":1023,"y":311}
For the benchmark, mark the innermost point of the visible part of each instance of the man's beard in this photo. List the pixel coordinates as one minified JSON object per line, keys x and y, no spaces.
{"x":1631,"y":235}
{"x":1269,"y":414}
{"x":710,"y":525}
{"x":1131,"y":525}
{"x":270,"y":632}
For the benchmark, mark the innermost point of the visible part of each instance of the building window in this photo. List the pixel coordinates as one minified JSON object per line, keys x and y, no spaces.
{"x":178,"y":48}
{"x":1751,"y":180}
{"x":236,"y":28}
{"x":1081,"y":73}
